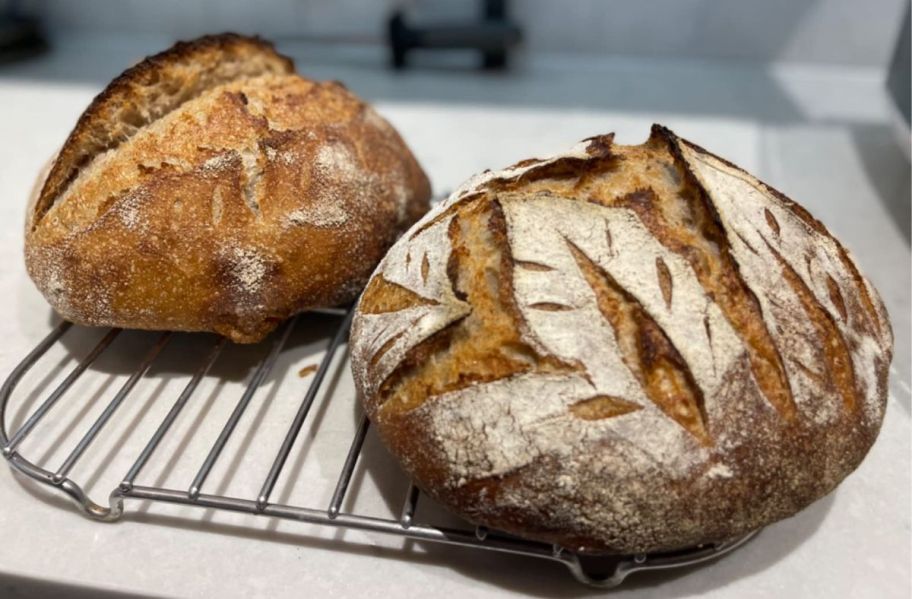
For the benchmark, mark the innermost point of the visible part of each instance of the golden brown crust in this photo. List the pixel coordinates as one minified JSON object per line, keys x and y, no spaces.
{"x":262,"y":195}
{"x":622,"y":349}
{"x":150,"y":89}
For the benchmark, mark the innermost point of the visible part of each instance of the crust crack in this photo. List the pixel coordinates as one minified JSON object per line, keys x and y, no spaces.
{"x":602,"y":407}
{"x":383,"y":296}
{"x":383,"y":349}
{"x":251,"y":161}
{"x":771,"y":221}
{"x":550,"y":307}
{"x":527,"y":265}
{"x":665,"y":281}
{"x":836,"y":297}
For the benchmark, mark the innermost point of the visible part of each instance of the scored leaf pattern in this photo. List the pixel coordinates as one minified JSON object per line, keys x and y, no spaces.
{"x":561,"y":234}
{"x":419,"y":268}
{"x":653,"y":351}
{"x":804,"y":281}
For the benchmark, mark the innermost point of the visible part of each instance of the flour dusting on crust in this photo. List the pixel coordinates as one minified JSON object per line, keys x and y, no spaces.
{"x":321,"y":215}
{"x":407,"y":328}
{"x":247,"y":268}
{"x":635,"y":413}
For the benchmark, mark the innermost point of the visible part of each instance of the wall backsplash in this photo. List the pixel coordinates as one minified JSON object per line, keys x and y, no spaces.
{"x":852,"y":32}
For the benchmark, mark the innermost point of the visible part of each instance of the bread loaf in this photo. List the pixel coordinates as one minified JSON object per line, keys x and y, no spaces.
{"x":622,"y":349}
{"x":210,"y":188}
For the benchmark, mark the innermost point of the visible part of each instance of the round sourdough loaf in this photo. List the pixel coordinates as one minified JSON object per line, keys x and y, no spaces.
{"x":210,"y":188}
{"x":622,"y":349}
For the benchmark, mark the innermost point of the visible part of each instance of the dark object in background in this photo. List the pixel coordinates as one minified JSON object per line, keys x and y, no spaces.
{"x":20,"y":35}
{"x":494,"y":35}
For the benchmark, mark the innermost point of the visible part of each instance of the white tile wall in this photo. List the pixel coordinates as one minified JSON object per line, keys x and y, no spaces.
{"x":855,"y":32}
{"x":858,"y":32}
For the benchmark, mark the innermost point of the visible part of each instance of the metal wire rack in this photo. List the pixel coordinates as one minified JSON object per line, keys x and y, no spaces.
{"x":609,"y":573}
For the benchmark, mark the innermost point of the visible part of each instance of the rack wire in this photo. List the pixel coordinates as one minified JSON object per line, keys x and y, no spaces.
{"x":609,"y":573}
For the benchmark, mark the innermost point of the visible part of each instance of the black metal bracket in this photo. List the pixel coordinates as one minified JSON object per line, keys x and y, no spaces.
{"x":494,"y":35}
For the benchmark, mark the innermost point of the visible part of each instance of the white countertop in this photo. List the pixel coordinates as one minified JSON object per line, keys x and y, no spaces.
{"x":825,"y":142}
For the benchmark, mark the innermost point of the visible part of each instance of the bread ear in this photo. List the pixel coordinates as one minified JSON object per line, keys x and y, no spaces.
{"x":148,"y":91}
{"x":35,"y":192}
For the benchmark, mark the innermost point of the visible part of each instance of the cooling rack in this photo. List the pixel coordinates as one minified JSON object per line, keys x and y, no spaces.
{"x":597,"y":572}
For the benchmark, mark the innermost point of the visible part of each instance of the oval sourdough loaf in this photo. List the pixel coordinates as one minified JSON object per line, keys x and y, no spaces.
{"x":210,"y":188}
{"x":622,"y":349}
